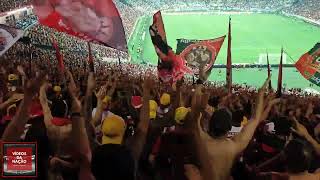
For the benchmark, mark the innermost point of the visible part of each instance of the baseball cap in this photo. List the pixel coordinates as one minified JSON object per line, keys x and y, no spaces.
{"x":57,"y":89}
{"x":153,"y":109}
{"x":106,"y":99}
{"x":165,"y":99}
{"x":113,"y":129}
{"x":220,"y":122}
{"x":180,"y":114}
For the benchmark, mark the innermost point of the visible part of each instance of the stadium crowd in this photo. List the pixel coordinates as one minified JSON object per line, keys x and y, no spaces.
{"x":120,"y":122}
{"x":306,"y":8}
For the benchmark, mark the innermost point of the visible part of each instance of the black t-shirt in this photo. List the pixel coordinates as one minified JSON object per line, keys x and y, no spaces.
{"x":112,"y":161}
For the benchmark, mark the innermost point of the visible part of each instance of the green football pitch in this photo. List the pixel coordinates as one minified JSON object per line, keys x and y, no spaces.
{"x":252,"y":36}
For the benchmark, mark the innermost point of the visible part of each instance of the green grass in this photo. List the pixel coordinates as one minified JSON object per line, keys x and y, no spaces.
{"x":252,"y":34}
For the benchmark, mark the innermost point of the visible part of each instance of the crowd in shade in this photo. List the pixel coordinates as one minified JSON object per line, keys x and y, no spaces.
{"x":118,"y":121}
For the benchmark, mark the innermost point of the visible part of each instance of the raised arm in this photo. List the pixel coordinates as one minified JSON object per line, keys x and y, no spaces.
{"x":80,"y":137}
{"x":12,"y":99}
{"x":303,"y":132}
{"x":44,"y":104}
{"x":17,"y":125}
{"x":243,"y":138}
{"x":137,"y":142}
{"x":99,"y":109}
{"x":88,"y":97}
{"x":192,"y":123}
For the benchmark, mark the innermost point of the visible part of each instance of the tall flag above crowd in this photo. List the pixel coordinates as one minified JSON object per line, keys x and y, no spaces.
{"x":95,"y":20}
{"x":229,"y":61}
{"x":309,"y":65}
{"x":192,"y":56}
{"x":171,"y":67}
{"x":279,"y":89}
{"x":8,"y":36}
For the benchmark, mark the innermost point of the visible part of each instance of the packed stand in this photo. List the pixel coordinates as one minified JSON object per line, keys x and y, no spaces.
{"x":306,"y":8}
{"x":120,"y":122}
{"x":8,"y":5}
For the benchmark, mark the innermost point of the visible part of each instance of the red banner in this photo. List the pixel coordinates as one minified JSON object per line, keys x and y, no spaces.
{"x":159,"y":26}
{"x":92,"y":20}
{"x":309,"y":65}
{"x":202,"y":55}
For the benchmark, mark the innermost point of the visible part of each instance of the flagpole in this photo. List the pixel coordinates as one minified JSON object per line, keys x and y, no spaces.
{"x":91,"y":64}
{"x":229,"y":60}
{"x":279,"y":90}
{"x":269,"y":71}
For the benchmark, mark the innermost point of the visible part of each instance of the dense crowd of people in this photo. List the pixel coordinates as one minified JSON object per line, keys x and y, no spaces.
{"x":119,"y":121}
{"x":306,"y":8}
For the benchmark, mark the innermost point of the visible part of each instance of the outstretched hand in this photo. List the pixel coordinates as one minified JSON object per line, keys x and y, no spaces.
{"x":260,"y":105}
{"x":91,"y":84}
{"x":32,"y":86}
{"x":299,"y":129}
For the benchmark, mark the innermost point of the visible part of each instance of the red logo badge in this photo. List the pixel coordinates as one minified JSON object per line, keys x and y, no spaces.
{"x":19,"y":160}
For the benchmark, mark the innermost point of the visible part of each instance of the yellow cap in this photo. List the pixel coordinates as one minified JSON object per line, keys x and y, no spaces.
{"x":106,"y":99}
{"x":113,"y":129}
{"x":12,"y":77}
{"x":180,"y":114}
{"x":153,"y":109}
{"x":165,"y":99}
{"x":57,"y":89}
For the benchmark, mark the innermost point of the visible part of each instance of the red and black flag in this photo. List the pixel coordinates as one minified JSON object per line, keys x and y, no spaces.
{"x":229,"y":61}
{"x":269,"y":72}
{"x":58,"y":54}
{"x":90,"y":60}
{"x":200,"y":55}
{"x":279,"y":89}
{"x":94,"y":20}
{"x":309,"y":65}
{"x":171,"y":67}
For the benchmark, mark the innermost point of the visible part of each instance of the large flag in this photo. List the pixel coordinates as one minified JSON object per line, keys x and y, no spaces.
{"x":171,"y":67}
{"x":200,"y":55}
{"x":269,"y":72}
{"x":309,"y":65}
{"x":279,"y":89}
{"x":229,"y":61}
{"x":58,"y":54}
{"x":92,"y":20}
{"x":8,"y":36}
{"x":159,"y":26}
